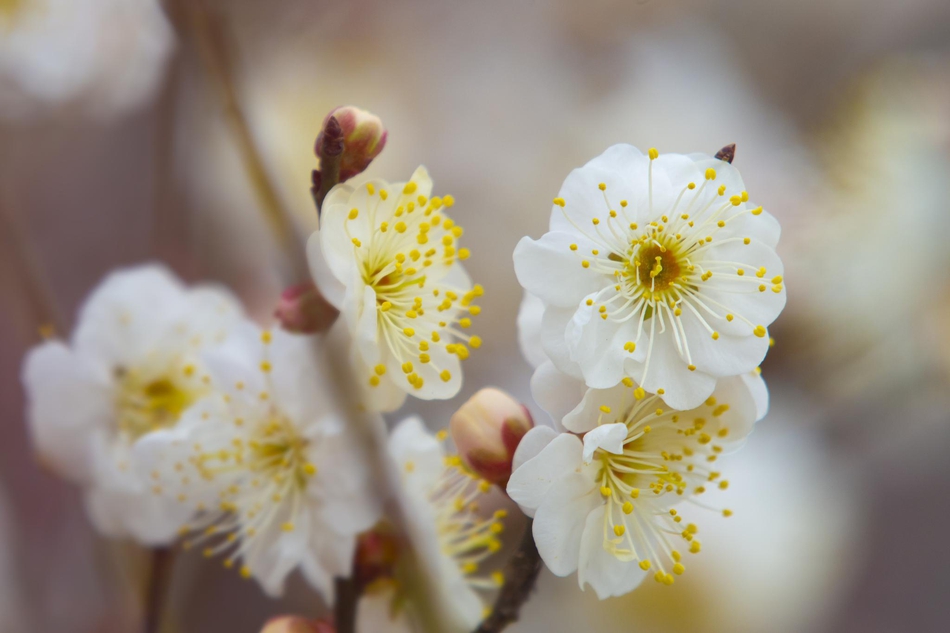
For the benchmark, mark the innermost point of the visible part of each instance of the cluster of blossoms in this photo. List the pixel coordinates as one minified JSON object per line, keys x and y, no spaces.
{"x":646,"y":318}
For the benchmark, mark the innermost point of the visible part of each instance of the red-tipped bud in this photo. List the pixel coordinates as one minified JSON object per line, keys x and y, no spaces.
{"x":376,"y":554}
{"x":302,"y":309}
{"x":357,"y":134}
{"x":487,"y":430}
{"x":296,"y":624}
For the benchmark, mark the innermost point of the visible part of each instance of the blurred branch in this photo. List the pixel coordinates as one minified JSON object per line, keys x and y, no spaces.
{"x":217,"y":54}
{"x":26,"y":265}
{"x":344,"y":610}
{"x":156,"y":589}
{"x":520,"y":578}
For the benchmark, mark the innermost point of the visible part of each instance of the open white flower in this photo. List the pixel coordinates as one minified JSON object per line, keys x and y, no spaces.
{"x":655,"y":267}
{"x":387,"y":257}
{"x":103,"y":55}
{"x":132,"y":367}
{"x":276,"y":479}
{"x":605,"y":506}
{"x":450,"y":534}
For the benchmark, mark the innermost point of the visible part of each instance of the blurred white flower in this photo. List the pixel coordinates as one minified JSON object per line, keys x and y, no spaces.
{"x":451,"y":535}
{"x":132,"y":368}
{"x":605,"y":506}
{"x":277,"y":479}
{"x":657,"y":268}
{"x":386,"y":256}
{"x":106,"y":56}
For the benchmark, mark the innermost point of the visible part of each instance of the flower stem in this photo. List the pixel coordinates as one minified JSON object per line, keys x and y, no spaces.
{"x":520,"y":578}
{"x":344,"y":610}
{"x":331,"y":154}
{"x":156,"y":589}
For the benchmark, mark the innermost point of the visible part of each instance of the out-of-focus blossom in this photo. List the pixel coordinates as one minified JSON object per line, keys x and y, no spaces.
{"x":303,"y":310}
{"x":133,"y":367}
{"x":278,"y":480}
{"x":876,"y":235}
{"x":656,"y":267}
{"x":296,"y":624}
{"x":363,"y":136}
{"x":387,"y":257}
{"x":104,"y":56}
{"x":487,"y":430}
{"x":452,"y":536}
{"x":606,"y":506}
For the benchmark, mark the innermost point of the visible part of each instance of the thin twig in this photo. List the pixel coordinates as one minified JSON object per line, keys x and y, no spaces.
{"x":45,"y":312}
{"x":213,"y":45}
{"x":520,"y":577}
{"x":344,"y":609}
{"x":156,"y":591}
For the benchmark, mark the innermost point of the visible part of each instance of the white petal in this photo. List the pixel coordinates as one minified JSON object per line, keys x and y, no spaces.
{"x":531,"y":444}
{"x":549,"y":268}
{"x":560,"y":520}
{"x":417,"y":453}
{"x":68,"y":398}
{"x":760,"y":392}
{"x":726,"y":356}
{"x":585,"y":415}
{"x":529,"y":329}
{"x":329,"y":286}
{"x":596,"y":345}
{"x":600,"y":569}
{"x":531,"y":482}
{"x":683,"y":389}
{"x":608,"y":437}
{"x":553,"y":327}
{"x":556,"y":392}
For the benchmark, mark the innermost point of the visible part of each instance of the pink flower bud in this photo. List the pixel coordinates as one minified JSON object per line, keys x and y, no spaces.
{"x":363,"y":137}
{"x":302,"y":309}
{"x":296,"y":624}
{"x":377,"y":552}
{"x":487,"y":430}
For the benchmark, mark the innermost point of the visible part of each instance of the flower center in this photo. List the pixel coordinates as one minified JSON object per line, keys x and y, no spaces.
{"x":147,"y":404}
{"x":665,"y":453}
{"x":464,"y":534}
{"x":655,"y":267}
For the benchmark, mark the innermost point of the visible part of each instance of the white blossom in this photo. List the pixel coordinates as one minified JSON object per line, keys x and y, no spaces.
{"x":655,"y":267}
{"x":131,"y":368}
{"x":276,"y":478}
{"x":610,"y":505}
{"x":450,"y":533}
{"x":106,"y":56}
{"x":387,"y":257}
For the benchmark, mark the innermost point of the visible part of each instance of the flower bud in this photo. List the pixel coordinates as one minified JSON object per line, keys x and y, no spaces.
{"x":296,"y":624}
{"x":303,"y":310}
{"x":377,"y":551}
{"x":363,"y":138}
{"x":487,"y":430}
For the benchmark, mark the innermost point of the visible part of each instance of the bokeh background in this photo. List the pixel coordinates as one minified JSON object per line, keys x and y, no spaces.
{"x":125,"y":130}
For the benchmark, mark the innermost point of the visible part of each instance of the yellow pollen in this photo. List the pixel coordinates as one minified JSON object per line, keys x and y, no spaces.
{"x":653,"y":153}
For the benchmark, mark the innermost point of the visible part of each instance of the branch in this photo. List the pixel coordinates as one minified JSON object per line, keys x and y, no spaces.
{"x":156,"y":591}
{"x":520,"y":578}
{"x":344,"y":609}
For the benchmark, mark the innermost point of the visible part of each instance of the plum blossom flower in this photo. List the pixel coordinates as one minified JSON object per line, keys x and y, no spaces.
{"x":387,"y":257}
{"x":607,"y":506}
{"x":655,"y":267}
{"x":104,"y":55}
{"x":450,"y":533}
{"x":275,"y":478}
{"x":133,"y":367}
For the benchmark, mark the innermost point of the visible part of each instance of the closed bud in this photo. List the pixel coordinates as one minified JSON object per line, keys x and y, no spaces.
{"x":363,"y":138}
{"x":377,"y":552}
{"x":303,"y":310}
{"x":296,"y":624}
{"x":487,"y":430}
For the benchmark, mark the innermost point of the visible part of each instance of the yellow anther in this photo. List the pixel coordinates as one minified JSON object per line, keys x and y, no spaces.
{"x":644,"y":565}
{"x":619,"y":530}
{"x":605,"y":491}
{"x":634,"y":493}
{"x":602,"y":186}
{"x":715,"y":336}
{"x":559,"y":202}
{"x":710,"y":174}
{"x":408,"y":331}
{"x":573,"y":247}
{"x":759,"y":331}
{"x":639,"y":393}
{"x":678,"y":569}
{"x":627,"y":507}
{"x":354,"y":213}
{"x":653,"y":153}
{"x":287,"y":527}
{"x":380,"y":369}
{"x":727,"y":513}
{"x":605,"y":408}
{"x":386,"y":305}
{"x":446,"y":375}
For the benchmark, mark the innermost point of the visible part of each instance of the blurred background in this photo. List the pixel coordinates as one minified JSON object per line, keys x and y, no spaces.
{"x":134,"y":130}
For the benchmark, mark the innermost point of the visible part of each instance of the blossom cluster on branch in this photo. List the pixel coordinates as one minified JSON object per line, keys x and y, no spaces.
{"x":645,"y":318}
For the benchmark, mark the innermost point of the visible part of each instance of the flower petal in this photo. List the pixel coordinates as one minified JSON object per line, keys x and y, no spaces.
{"x":609,"y":437}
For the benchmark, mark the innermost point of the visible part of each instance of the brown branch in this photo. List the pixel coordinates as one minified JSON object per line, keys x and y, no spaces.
{"x":727,"y":153}
{"x":520,"y":578}
{"x":344,"y":609}
{"x":217,"y":54}
{"x":156,"y":590}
